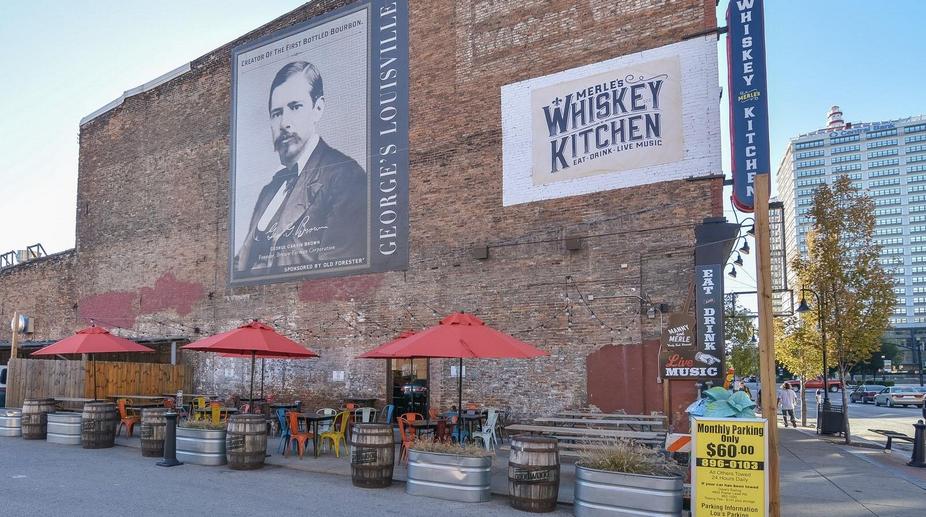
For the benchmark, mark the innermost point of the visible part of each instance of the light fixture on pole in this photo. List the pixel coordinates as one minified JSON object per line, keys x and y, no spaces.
{"x":753,"y":341}
{"x":732,"y":272}
{"x":744,"y":249}
{"x":739,"y":260}
{"x":751,"y":231}
{"x":804,"y":307}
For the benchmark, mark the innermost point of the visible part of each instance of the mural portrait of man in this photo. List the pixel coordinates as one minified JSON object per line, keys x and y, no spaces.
{"x":314,"y":209}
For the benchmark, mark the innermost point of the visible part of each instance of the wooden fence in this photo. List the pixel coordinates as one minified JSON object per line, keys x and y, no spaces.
{"x":40,"y":378}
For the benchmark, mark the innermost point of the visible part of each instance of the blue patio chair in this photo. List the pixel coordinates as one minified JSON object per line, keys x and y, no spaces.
{"x":387,"y":413}
{"x":284,"y":431}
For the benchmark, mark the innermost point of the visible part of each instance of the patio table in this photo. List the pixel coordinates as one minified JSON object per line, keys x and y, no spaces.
{"x":311,"y":419}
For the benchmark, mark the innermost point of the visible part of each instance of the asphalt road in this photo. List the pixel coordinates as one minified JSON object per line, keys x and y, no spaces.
{"x":863,"y":417}
{"x":39,"y":478}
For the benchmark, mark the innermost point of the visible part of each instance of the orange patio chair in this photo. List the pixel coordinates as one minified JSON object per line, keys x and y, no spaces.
{"x":407,"y":433}
{"x":300,"y":437}
{"x":127,"y":419}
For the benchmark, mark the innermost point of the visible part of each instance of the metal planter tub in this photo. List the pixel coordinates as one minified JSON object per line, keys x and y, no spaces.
{"x":64,"y":428}
{"x":201,"y":446}
{"x":449,"y":476}
{"x":599,"y":492}
{"x":11,"y":421}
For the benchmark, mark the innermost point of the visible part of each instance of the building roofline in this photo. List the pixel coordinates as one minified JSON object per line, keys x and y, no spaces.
{"x":860,"y":125}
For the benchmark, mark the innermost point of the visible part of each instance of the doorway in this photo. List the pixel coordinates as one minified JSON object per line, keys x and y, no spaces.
{"x":407,"y":385}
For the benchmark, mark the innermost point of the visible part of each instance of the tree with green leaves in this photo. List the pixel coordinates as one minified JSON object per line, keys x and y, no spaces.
{"x":799,"y":349}
{"x":739,"y":331}
{"x":842,"y":266}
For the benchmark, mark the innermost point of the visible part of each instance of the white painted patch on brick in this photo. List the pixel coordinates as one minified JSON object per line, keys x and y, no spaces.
{"x":700,"y":126}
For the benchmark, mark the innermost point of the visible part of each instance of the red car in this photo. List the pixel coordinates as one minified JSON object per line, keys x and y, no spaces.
{"x":812,"y":384}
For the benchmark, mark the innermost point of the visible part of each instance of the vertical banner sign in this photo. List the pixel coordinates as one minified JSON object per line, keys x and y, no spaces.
{"x":319,"y":148}
{"x":728,"y":477}
{"x":747,"y":91}
{"x":707,"y":361}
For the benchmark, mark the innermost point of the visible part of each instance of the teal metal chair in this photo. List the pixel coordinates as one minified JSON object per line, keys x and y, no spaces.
{"x":284,"y":431}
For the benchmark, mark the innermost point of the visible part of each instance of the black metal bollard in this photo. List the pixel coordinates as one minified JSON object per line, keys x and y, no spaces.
{"x":918,"y":458}
{"x":170,"y":442}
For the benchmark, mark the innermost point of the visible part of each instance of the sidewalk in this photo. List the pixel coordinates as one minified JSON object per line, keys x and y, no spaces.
{"x":822,"y":478}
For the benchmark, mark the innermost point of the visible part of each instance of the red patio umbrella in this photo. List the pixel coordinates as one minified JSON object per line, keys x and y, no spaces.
{"x":253,"y":339}
{"x":92,"y":340}
{"x":459,"y":335}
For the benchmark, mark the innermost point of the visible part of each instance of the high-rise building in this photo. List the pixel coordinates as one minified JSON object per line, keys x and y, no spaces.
{"x":887,"y":160}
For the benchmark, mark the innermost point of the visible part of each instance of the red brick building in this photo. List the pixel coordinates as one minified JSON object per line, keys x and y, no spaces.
{"x":573,"y":274}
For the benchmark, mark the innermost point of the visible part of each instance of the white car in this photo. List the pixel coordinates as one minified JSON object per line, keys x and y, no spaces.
{"x":899,"y":396}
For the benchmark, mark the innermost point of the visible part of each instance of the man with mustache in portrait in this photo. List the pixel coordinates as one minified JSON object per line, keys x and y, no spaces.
{"x":314,"y":209}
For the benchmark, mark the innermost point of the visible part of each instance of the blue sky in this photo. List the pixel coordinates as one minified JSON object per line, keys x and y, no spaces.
{"x":863,"y":56}
{"x":63,"y":60}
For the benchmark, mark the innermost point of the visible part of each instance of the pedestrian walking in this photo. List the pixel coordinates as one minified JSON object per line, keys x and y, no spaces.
{"x":786,"y":400}
{"x":819,"y":396}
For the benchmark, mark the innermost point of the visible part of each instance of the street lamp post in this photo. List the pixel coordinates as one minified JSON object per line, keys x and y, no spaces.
{"x":803,"y":307}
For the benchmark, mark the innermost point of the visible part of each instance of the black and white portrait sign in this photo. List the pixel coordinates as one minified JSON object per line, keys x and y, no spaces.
{"x":319,"y":148}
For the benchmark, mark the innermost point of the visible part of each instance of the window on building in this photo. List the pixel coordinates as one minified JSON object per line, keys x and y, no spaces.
{"x":809,"y":145}
{"x":884,"y":152}
{"x":849,"y":167}
{"x":917,"y":168}
{"x":810,"y":172}
{"x":882,"y":143}
{"x":914,"y":138}
{"x":919,"y":128}
{"x":880,"y":134}
{"x":846,"y":149}
{"x":884,"y":163}
{"x":915,"y":149}
{"x":916,"y":188}
{"x":883,"y":172}
{"x":889,"y":211}
{"x":884,"y":182}
{"x":809,"y":154}
{"x":885,"y":192}
{"x":810,"y":163}
{"x":844,"y":139}
{"x":916,"y":158}
{"x":847,"y":158}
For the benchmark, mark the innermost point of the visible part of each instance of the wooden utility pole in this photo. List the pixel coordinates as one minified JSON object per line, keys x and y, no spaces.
{"x":767,"y":339}
{"x":14,"y":339}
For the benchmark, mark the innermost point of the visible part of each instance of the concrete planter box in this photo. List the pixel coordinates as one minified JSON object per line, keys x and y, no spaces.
{"x":201,"y":446}
{"x":599,"y":492}
{"x":449,"y":476}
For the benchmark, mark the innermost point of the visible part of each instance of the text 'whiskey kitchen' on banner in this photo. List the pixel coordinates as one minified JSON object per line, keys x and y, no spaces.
{"x":631,"y":120}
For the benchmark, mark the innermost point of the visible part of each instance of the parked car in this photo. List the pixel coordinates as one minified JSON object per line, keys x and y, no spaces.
{"x":832,"y":384}
{"x":865,"y":393}
{"x":899,"y":396}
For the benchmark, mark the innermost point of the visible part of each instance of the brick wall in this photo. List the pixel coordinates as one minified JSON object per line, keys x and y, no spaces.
{"x":153,"y":196}
{"x":44,"y":290}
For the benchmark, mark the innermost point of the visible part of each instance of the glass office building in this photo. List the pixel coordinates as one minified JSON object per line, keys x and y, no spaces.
{"x":887,"y":160}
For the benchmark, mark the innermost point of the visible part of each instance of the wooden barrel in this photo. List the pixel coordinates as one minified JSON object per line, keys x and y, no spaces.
{"x":152,"y":431}
{"x":533,"y":473}
{"x":372,"y":455}
{"x":98,"y":425}
{"x":35,"y":418}
{"x":246,"y":441}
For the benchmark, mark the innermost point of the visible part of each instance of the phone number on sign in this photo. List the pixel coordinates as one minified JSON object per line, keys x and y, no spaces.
{"x":731,"y":464}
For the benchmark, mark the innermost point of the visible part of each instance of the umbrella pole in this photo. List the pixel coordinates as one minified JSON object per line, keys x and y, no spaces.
{"x":460,"y":400}
{"x":262,"y":377}
{"x":93,"y":365}
{"x":252,"y":379}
